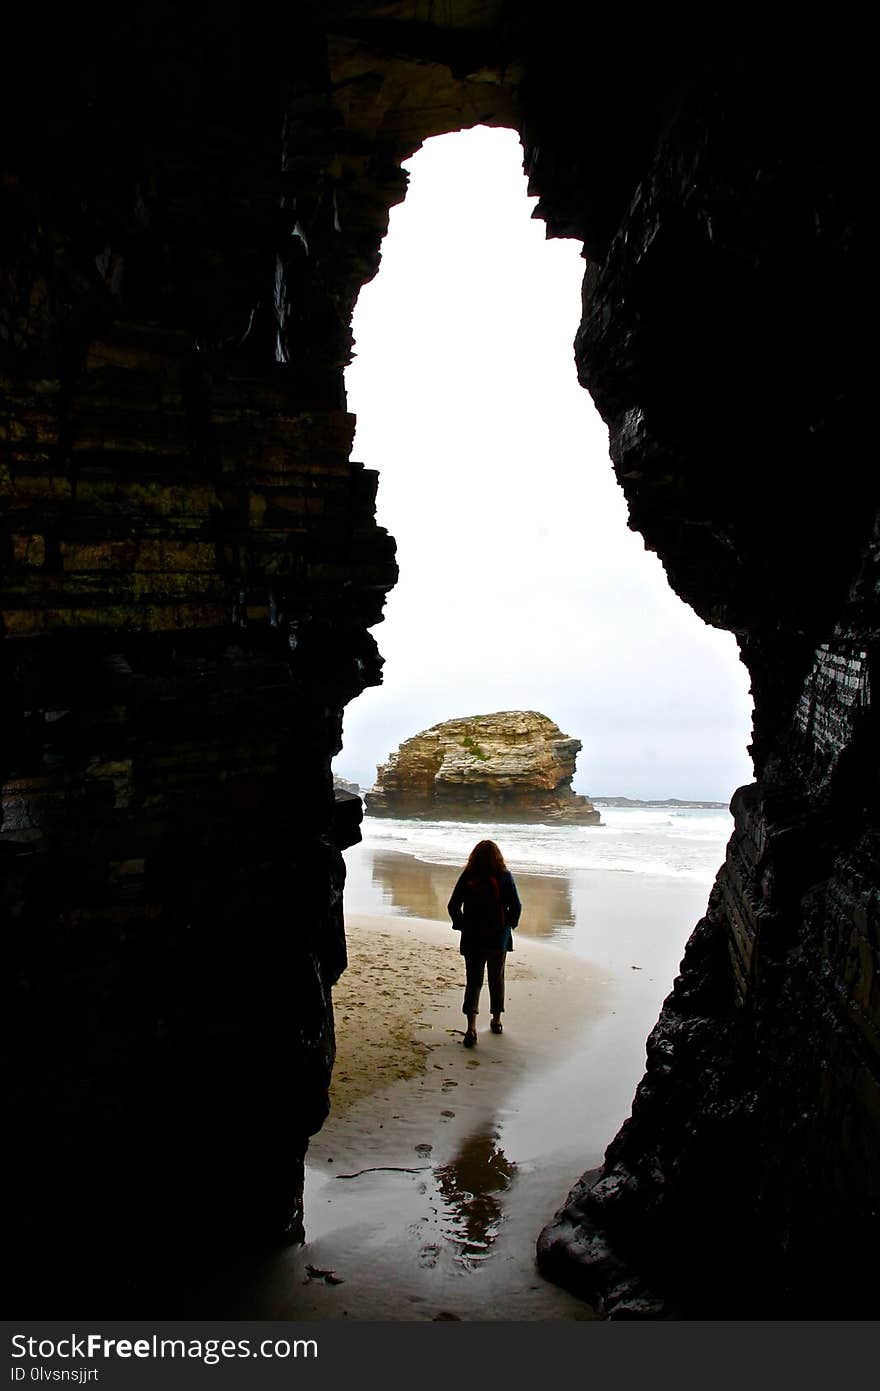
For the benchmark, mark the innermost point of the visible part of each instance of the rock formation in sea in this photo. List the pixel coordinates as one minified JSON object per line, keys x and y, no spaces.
{"x":348,"y":812}
{"x":345,"y":785}
{"x":514,"y":765}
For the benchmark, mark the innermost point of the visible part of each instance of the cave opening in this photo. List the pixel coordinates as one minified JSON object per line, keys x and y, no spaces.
{"x":520,"y":588}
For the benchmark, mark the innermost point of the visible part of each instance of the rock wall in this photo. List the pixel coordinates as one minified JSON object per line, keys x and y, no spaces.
{"x":191,"y":564}
{"x":717,"y":340}
{"x":515,"y":765}
{"x":191,"y":201}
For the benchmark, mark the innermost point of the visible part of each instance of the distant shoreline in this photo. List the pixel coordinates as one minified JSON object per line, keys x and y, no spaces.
{"x":657,"y":802}
{"x":599,"y":802}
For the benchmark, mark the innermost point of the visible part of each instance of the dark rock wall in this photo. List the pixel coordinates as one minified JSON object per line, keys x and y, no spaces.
{"x":192,"y":199}
{"x":191,"y":564}
{"x":719,"y":341}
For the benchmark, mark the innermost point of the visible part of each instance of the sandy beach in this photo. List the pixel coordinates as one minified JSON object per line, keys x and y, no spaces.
{"x":427,"y":1186}
{"x":398,"y":1006}
{"x":438,"y":1166}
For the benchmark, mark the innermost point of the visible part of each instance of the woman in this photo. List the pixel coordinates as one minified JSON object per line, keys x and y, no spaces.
{"x":484,"y":908}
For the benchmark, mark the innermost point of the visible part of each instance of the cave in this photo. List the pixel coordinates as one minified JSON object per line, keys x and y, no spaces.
{"x":192,"y":567}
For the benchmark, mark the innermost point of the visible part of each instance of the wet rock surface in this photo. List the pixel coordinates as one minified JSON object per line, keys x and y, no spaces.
{"x":743,"y":1176}
{"x":515,"y":765}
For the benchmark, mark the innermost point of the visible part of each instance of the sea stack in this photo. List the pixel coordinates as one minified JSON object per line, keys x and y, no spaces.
{"x":515,"y":765}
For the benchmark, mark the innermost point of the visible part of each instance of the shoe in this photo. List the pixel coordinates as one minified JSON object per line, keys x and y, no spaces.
{"x":496,"y":1026}
{"x":470,"y":1039}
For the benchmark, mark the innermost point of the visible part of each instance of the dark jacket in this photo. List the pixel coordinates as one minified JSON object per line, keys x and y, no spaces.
{"x":466,"y":912}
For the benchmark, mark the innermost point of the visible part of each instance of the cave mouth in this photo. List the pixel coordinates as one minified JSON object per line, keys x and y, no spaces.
{"x":520,"y":587}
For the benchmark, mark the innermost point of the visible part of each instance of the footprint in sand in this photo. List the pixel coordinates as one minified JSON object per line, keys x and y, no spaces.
{"x":472,"y":1062}
{"x":447,"y":1113}
{"x":429,"y":1256}
{"x":447,"y":1085}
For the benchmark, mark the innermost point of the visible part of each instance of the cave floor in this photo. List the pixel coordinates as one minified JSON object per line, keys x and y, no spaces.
{"x":425,"y":1192}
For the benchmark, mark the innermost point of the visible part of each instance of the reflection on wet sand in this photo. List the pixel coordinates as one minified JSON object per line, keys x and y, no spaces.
{"x":467,"y":1187}
{"x":422,"y":890}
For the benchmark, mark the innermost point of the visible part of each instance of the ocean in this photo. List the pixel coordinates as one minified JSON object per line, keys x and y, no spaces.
{"x":686,"y":842}
{"x":644,"y":873}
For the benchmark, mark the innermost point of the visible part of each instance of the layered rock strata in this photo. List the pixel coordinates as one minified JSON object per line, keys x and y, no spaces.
{"x":746,"y":1179}
{"x":515,"y":765}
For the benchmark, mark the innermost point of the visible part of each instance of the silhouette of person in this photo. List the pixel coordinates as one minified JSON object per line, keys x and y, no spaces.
{"x":484,"y":908}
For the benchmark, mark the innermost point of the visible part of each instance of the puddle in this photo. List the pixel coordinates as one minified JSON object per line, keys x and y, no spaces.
{"x":469,"y":1188}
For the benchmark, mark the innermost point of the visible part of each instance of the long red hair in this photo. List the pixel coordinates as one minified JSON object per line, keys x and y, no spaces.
{"x":485,"y":860}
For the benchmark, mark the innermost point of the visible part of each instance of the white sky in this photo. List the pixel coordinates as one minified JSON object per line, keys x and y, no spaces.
{"x":521,"y":586}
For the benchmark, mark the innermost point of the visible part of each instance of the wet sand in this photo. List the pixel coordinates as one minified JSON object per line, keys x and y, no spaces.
{"x":438,"y":1166}
{"x":399,"y":1004}
{"x":415,"y":1200}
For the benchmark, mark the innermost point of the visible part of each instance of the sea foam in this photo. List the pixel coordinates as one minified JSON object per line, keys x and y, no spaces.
{"x":681,"y":842}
